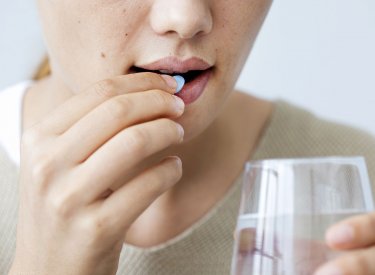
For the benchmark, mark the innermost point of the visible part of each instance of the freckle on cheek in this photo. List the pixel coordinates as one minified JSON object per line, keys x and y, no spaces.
{"x":103,"y":55}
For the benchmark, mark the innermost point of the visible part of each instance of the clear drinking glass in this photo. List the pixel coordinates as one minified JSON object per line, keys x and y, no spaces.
{"x":286,"y":207}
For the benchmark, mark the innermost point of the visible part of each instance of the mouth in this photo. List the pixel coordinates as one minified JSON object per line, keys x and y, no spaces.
{"x":195,"y":71}
{"x":188,"y":76}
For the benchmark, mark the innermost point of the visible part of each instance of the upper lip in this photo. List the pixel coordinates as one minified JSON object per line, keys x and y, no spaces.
{"x":175,"y":65}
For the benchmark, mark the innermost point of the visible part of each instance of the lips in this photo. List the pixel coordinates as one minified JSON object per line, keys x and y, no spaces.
{"x":175,"y":65}
{"x":195,"y":88}
{"x":195,"y":71}
{"x":188,"y":76}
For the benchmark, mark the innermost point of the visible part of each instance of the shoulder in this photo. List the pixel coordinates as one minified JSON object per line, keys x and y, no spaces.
{"x":295,"y":132}
{"x":10,"y":102}
{"x":10,"y":117}
{"x":10,"y":91}
{"x":305,"y":128}
{"x":11,"y":96}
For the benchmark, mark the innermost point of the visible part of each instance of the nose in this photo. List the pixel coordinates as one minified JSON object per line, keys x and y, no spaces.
{"x":186,"y":18}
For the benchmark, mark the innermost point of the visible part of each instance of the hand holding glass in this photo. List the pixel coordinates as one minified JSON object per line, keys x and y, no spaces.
{"x":286,"y":207}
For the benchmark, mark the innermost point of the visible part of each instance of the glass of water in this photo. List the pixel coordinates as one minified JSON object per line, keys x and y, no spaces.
{"x":286,"y":207}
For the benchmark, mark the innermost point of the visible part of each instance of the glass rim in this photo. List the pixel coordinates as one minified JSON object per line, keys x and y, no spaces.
{"x":359,"y":161}
{"x":269,"y":163}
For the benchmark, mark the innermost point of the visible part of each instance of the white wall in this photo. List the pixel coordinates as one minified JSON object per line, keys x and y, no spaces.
{"x":319,"y":54}
{"x":21,"y":45}
{"x":316,"y":53}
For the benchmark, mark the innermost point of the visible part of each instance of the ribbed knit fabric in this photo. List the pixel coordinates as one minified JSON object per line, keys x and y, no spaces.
{"x":8,"y":210}
{"x":206,"y":247}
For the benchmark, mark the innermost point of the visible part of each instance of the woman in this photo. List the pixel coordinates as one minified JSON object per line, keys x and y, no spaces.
{"x":119,"y":174}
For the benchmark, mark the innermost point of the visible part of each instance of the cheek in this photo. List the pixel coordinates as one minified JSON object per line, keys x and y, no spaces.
{"x":238,"y":26}
{"x":90,"y":34}
{"x":243,"y":20}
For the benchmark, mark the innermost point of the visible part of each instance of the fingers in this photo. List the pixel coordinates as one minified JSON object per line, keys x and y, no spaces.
{"x":246,"y":240}
{"x":134,"y":197}
{"x":355,"y":232}
{"x":353,"y":263}
{"x":114,"y":115}
{"x":122,"y":153}
{"x":77,"y":106}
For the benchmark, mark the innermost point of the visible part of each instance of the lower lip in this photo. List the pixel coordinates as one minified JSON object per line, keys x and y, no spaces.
{"x":193,"y":90}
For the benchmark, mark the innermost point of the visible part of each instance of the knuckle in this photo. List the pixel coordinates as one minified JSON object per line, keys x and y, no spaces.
{"x":119,"y":107}
{"x":105,"y":88}
{"x":151,"y":79}
{"x":30,"y":137}
{"x":61,"y":205}
{"x":95,"y":228}
{"x":161,"y":98}
{"x":43,"y":170}
{"x":137,"y":140}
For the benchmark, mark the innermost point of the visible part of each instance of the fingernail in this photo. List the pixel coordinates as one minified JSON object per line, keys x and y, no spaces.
{"x":181,"y":131}
{"x":176,"y":159}
{"x":171,"y":82}
{"x":329,"y":270}
{"x":341,"y":234}
{"x":180,"y":82}
{"x":180,"y":103}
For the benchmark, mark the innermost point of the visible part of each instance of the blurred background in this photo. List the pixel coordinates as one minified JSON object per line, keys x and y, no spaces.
{"x":319,"y":54}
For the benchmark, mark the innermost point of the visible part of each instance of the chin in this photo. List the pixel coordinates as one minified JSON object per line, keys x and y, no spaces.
{"x":194,"y":125}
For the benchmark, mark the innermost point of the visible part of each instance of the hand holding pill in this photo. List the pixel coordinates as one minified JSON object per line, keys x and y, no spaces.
{"x":122,"y":121}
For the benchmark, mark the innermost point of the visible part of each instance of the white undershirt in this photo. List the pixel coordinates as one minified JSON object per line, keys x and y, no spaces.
{"x":10,"y":119}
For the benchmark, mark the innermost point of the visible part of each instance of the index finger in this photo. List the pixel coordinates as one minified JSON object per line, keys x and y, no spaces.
{"x":61,"y":119}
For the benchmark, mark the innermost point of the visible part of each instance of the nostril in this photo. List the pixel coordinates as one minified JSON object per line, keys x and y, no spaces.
{"x":182,"y":19}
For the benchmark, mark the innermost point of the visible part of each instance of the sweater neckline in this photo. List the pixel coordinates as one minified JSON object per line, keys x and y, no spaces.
{"x":188,"y":231}
{"x":222,"y":203}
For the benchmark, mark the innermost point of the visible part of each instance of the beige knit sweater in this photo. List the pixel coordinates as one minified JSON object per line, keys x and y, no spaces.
{"x":206,"y":247}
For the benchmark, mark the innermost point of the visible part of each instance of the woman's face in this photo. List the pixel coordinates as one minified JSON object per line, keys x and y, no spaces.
{"x":91,"y":40}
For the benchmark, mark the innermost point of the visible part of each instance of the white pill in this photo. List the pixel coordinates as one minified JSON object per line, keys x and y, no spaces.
{"x":180,"y":83}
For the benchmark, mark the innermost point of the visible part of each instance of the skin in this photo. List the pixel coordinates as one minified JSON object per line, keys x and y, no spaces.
{"x":357,"y":243}
{"x":356,"y":237}
{"x":80,"y":109}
